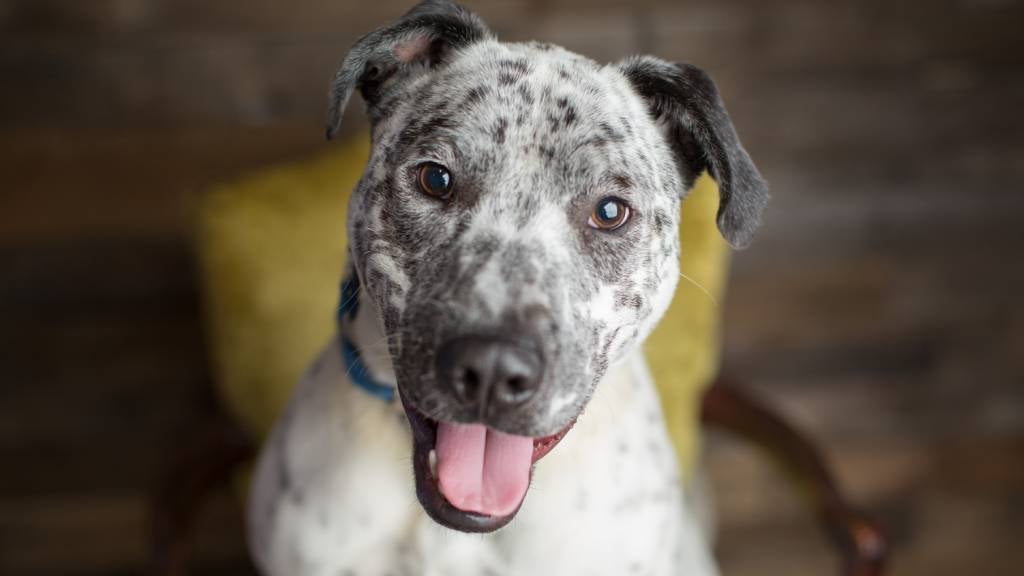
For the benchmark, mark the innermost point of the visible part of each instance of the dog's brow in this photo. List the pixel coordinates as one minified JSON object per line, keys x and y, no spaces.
{"x":596,"y":140}
{"x":616,"y":180}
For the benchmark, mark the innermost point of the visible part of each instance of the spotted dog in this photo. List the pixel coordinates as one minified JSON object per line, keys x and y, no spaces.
{"x":512,"y":242}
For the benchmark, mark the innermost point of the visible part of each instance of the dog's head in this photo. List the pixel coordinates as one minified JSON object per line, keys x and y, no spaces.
{"x":516,"y":231}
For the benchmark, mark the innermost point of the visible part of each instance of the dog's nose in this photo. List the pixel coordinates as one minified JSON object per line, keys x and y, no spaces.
{"x":489,"y":371}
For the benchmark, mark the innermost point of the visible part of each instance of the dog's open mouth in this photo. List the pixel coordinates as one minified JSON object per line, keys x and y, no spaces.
{"x":470,"y":477}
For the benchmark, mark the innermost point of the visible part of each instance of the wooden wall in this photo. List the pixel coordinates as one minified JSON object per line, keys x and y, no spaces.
{"x":879,"y":307}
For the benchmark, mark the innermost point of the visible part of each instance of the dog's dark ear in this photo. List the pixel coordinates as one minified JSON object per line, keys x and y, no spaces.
{"x":686,"y":101}
{"x":423,"y":37}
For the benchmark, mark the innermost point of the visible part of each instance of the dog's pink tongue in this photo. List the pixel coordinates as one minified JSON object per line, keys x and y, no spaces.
{"x":481,"y":470}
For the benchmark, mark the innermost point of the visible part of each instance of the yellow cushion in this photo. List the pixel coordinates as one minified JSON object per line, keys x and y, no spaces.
{"x":272,"y":247}
{"x":683,"y":350}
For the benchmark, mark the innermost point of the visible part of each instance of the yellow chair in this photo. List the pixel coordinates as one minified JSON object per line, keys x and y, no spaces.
{"x":272,"y":248}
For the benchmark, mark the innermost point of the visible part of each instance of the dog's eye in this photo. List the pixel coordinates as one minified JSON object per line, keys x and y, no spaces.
{"x":434,"y":180}
{"x":609,"y":214}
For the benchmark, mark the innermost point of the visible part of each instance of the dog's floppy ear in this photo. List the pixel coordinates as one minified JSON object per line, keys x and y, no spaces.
{"x":423,"y":37}
{"x":686,"y":101}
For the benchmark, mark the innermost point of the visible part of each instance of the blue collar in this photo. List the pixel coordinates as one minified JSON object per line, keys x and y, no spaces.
{"x":358,"y":373}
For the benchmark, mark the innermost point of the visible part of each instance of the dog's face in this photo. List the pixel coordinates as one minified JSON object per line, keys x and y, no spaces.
{"x":516,"y":226}
{"x":557,"y":223}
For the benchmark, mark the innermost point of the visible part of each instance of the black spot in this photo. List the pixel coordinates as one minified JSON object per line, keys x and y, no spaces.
{"x":475,"y":96}
{"x":621,"y":298}
{"x":554,"y":123}
{"x":417,"y":130}
{"x":570,"y":116}
{"x":626,"y":126}
{"x":519,"y":66}
{"x":498,"y":133}
{"x":525,"y":94}
{"x":512,"y":71}
{"x":659,"y":222}
{"x":606,"y":348}
{"x":610,"y":133}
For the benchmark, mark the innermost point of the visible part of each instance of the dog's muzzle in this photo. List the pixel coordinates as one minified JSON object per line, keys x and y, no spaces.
{"x":471,"y":476}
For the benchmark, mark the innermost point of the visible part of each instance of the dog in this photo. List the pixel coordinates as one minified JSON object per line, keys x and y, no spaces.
{"x":512,"y":242}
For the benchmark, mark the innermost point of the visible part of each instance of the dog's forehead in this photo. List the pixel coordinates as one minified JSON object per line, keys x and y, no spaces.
{"x":525,"y":73}
{"x":552,"y":90}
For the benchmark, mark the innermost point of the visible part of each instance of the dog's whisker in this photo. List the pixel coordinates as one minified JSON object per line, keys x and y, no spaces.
{"x":699,"y":287}
{"x":379,"y":349}
{"x":351,"y":298}
{"x":382,"y":344}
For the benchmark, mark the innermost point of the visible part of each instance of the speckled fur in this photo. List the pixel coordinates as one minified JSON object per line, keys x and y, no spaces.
{"x":534,"y":136}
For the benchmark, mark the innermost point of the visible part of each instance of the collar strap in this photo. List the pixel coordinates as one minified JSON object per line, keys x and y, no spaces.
{"x":357,"y":371}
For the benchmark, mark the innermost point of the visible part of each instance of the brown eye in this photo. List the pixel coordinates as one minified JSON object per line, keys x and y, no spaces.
{"x":434,"y":180}
{"x":609,"y":214}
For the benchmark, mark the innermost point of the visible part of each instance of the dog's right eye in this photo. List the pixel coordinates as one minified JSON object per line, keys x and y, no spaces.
{"x":609,"y":214}
{"x":434,"y":180}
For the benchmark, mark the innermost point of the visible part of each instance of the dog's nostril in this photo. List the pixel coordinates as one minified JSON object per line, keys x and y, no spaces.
{"x":514,"y":389}
{"x":517,"y":384}
{"x":468,"y":380}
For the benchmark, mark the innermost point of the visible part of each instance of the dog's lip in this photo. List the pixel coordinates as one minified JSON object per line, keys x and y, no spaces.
{"x":424,"y":433}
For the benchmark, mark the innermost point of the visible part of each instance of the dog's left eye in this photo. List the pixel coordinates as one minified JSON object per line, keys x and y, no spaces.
{"x":609,"y":214}
{"x":434,"y":180}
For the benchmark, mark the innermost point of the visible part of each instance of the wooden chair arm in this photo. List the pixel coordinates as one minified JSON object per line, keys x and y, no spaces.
{"x":860,"y":541}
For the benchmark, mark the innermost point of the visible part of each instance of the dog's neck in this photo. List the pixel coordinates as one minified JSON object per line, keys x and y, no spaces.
{"x":364,"y":347}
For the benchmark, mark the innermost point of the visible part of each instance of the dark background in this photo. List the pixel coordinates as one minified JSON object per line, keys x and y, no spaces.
{"x":879,"y":307}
